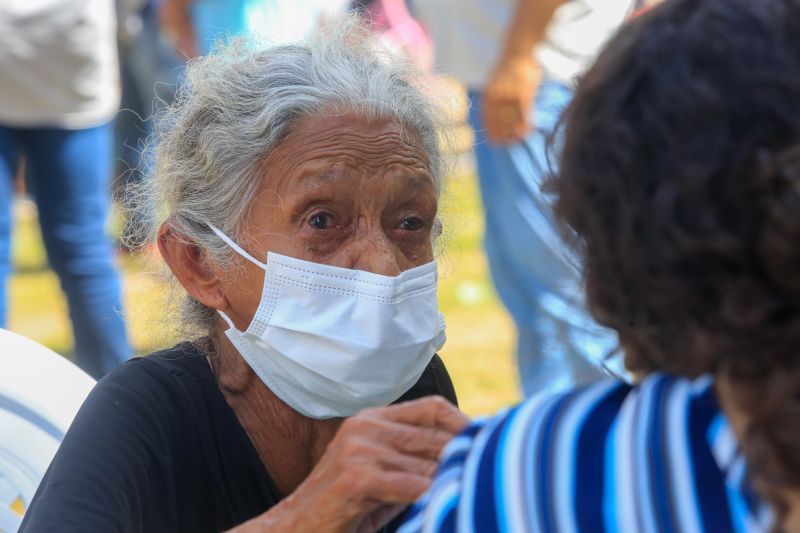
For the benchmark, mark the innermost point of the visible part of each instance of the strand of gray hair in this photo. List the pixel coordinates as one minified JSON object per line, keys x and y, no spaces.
{"x":236,"y":105}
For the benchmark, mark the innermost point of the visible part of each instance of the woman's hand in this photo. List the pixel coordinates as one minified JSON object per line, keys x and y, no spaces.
{"x":379,"y":461}
{"x":508,"y":98}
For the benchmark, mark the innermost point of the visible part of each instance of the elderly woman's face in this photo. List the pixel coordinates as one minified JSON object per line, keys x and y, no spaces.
{"x":343,"y":191}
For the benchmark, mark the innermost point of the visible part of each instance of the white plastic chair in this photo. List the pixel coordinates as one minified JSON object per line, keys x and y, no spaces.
{"x":40,"y":393}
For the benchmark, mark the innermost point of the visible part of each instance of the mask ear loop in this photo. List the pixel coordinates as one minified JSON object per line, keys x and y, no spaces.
{"x":227,"y":319}
{"x":241,"y":251}
{"x":238,"y":249}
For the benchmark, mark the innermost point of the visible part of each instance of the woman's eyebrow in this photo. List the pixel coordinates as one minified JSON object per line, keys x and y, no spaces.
{"x":419,"y":181}
{"x":309,"y":177}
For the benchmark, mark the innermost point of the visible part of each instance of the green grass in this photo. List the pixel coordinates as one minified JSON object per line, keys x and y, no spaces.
{"x":480,"y":335}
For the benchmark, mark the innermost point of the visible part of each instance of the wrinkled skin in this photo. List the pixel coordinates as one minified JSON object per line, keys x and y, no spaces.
{"x":342,"y":192}
{"x":353,"y":193}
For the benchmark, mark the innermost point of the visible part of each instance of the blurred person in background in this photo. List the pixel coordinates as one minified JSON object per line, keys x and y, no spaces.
{"x":519,"y":60}
{"x":679,"y":186}
{"x":59,"y":91}
{"x":396,"y":26}
{"x":194,"y":26}
{"x":149,"y":71}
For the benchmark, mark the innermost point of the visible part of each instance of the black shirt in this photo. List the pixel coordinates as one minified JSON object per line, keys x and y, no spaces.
{"x":156,"y":447}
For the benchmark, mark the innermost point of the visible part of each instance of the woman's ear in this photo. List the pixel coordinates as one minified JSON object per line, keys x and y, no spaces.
{"x":188,"y":263}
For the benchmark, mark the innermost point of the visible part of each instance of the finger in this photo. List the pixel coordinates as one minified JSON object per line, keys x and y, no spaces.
{"x":421,"y":441}
{"x":380,"y":517}
{"x":493,"y":129}
{"x":506,"y":137}
{"x":496,"y":135}
{"x":502,"y":131}
{"x":517,"y":132}
{"x":414,"y":440}
{"x":396,"y":487}
{"x":492,"y":116}
{"x":431,"y":411}
{"x":402,"y":462}
{"x":524,"y":124}
{"x":380,"y":456}
{"x":517,"y":127}
{"x":510,"y":133}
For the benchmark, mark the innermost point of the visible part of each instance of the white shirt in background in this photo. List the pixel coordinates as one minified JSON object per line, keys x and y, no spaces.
{"x":58,"y":63}
{"x":468,"y":36}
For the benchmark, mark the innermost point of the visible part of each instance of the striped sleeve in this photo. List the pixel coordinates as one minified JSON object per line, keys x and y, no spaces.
{"x":609,"y":457}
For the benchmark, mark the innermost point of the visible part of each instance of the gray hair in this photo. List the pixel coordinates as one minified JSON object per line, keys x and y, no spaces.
{"x":237,"y":104}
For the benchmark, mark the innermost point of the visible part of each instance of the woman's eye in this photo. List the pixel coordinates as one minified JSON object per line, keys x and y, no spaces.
{"x":321,"y":221}
{"x":412,"y":224}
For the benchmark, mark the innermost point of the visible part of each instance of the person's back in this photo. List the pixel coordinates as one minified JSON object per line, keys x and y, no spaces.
{"x":658,"y":456}
{"x":679,"y":184}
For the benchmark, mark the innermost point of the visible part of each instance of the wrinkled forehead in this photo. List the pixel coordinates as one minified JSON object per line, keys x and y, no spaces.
{"x":324,"y":145}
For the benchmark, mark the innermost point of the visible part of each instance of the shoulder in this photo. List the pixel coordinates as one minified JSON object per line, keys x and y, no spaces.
{"x":176,"y":361}
{"x":551,"y":459}
{"x":119,"y":449}
{"x":152,"y":379}
{"x":158,"y":393}
{"x":498,"y":456}
{"x":142,"y":396}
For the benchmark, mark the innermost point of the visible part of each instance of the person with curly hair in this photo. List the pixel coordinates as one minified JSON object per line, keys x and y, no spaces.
{"x":679,"y":186}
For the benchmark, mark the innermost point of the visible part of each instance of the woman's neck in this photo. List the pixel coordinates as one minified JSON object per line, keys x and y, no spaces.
{"x":288,"y":443}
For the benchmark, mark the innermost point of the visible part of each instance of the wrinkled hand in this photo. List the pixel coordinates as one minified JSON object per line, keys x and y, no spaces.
{"x":508,"y":98}
{"x":379,"y":461}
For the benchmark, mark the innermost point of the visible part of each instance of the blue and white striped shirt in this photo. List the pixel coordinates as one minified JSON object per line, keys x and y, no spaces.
{"x":658,"y":456}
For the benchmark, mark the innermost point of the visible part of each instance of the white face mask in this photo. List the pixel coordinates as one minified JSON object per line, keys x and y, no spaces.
{"x":332,"y":341}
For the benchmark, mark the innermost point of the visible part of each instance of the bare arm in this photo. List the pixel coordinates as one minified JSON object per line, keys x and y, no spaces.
{"x":511,"y":90}
{"x":528,"y":27}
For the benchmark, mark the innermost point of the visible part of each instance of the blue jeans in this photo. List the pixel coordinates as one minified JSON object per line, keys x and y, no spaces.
{"x":149,"y":70}
{"x":68,"y":173}
{"x":536,"y":277}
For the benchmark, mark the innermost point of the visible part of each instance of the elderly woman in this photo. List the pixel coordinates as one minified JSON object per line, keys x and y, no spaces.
{"x":680,"y":179}
{"x":298,"y":187}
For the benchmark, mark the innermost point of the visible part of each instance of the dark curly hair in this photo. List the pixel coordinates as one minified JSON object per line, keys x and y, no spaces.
{"x":679,"y":183}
